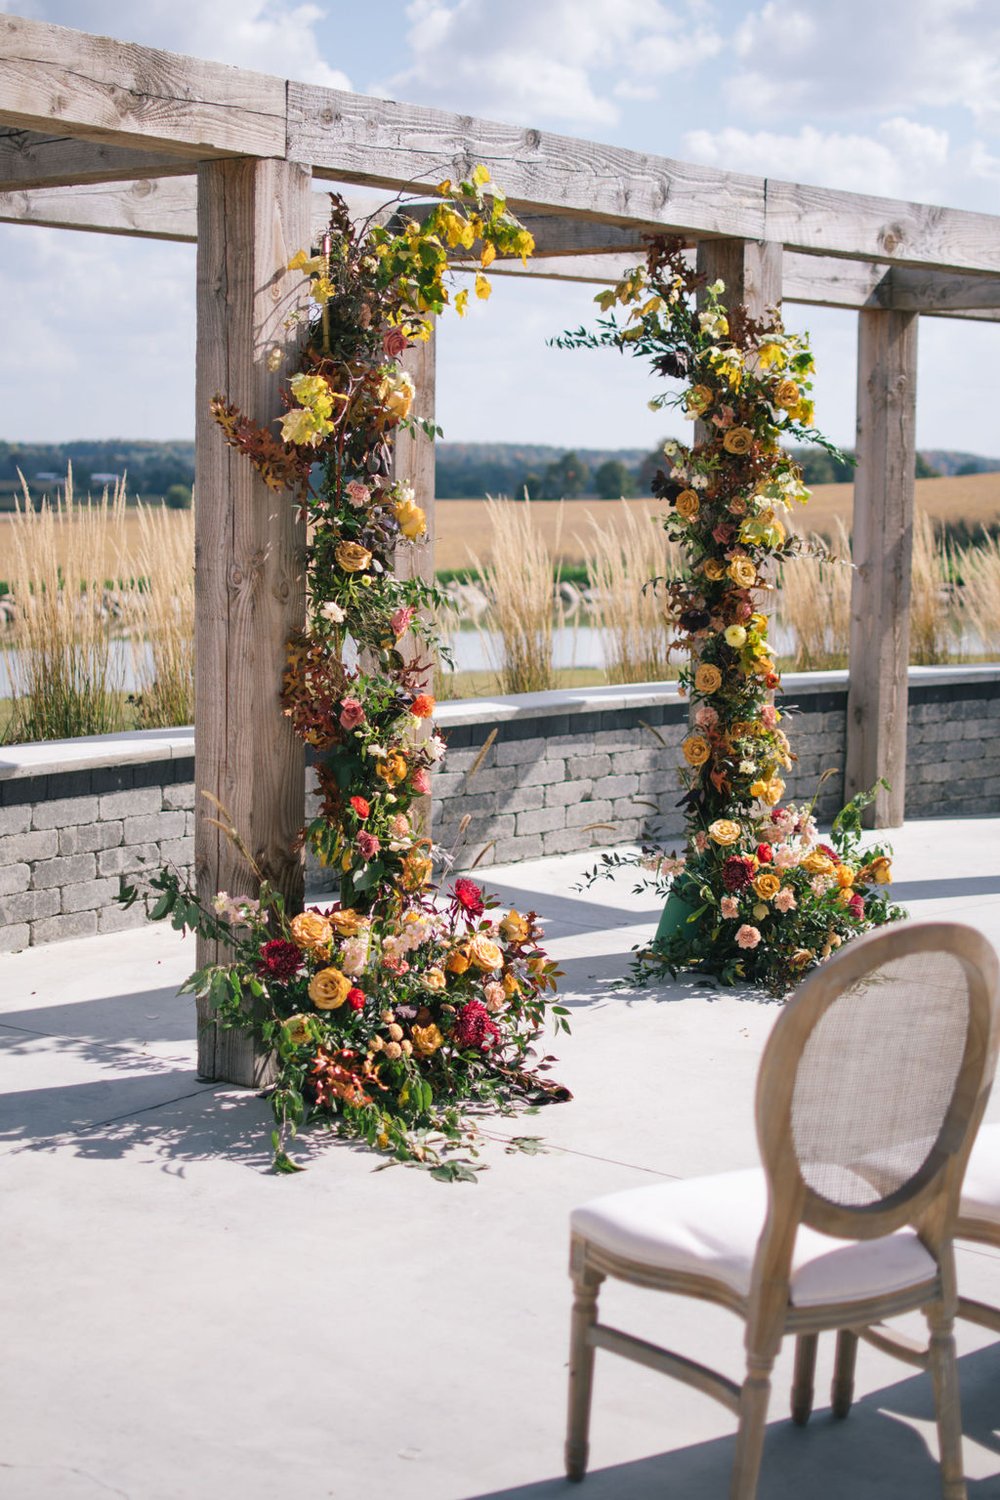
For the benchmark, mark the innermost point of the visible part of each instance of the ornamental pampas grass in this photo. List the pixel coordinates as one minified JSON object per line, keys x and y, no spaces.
{"x":163,"y":617}
{"x":931,"y":629}
{"x":518,"y":583}
{"x":622,"y":556}
{"x":980,"y":570}
{"x":813,"y":603}
{"x":66,"y":678}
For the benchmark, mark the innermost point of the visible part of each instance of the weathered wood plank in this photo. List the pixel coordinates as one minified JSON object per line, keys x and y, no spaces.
{"x":29,"y":160}
{"x":249,"y":548}
{"x":102,"y":89}
{"x":882,"y":548}
{"x":148,"y":208}
{"x":888,"y":229}
{"x":362,"y":140}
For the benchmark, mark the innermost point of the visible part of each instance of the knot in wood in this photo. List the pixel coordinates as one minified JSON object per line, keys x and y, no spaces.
{"x":891,"y":238}
{"x":327,"y":116}
{"x":533,"y":139}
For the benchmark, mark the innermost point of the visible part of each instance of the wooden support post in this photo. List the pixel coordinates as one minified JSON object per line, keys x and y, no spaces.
{"x":883,"y":542}
{"x":413,"y":463}
{"x":751,"y":270}
{"x":249,"y":549}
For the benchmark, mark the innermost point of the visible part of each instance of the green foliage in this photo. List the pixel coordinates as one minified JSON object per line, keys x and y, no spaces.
{"x":178,"y":497}
{"x":614,"y":480}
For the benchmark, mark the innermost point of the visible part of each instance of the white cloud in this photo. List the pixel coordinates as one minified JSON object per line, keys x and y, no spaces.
{"x":565,"y":60}
{"x":857,"y":57}
{"x":269,"y":36}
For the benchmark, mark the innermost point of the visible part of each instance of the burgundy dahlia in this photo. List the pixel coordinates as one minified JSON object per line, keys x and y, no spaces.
{"x":468,"y":895}
{"x":279,"y":959}
{"x":737,"y":872}
{"x":473,"y":1027}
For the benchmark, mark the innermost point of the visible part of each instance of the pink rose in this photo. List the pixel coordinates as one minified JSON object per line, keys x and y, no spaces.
{"x":352,"y":713}
{"x":358,"y":494}
{"x":705,"y":717}
{"x":744,"y":609}
{"x":420,"y":782}
{"x":394,"y":342}
{"x":769,"y":716}
{"x":747,"y":937}
{"x":399,"y":623}
{"x":723,"y":533}
{"x":367,"y":844}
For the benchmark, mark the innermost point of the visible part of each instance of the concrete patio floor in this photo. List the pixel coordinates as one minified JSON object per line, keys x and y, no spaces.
{"x":178,"y":1323}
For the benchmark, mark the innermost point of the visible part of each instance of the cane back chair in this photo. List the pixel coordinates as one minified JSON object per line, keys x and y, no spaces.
{"x":869,"y":1094}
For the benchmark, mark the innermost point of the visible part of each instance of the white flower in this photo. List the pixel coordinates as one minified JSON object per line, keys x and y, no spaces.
{"x":377,"y":750}
{"x":435,"y":748}
{"x":699,"y":482}
{"x":332,"y":611}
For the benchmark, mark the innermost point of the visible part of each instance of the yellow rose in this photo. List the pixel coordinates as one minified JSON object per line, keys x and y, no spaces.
{"x":434,"y":979}
{"x":817,"y":863}
{"x":688,"y":505}
{"x":738,"y":440}
{"x":345,"y":921}
{"x":801,"y":957}
{"x":742,"y":571}
{"x":773,"y":791}
{"x":484,"y":953}
{"x":707,"y":679}
{"x":713,"y":569}
{"x":767,"y":885}
{"x":804,"y":413}
{"x":786,"y":394}
{"x":312,"y":932}
{"x":457,"y":961}
{"x":511,"y":985}
{"x":845,"y":877}
{"x":879,"y":869}
{"x":297,"y":1030}
{"x":396,"y":393}
{"x":698,"y":398}
{"x":426,"y":1039}
{"x":412,"y":520}
{"x":724,"y":831}
{"x":352,"y":557}
{"x":392,"y":769}
{"x":696,"y":750}
{"x":514,"y":927}
{"x":328,"y":989}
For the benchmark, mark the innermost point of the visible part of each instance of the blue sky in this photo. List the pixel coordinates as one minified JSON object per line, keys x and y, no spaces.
{"x":901,"y":98}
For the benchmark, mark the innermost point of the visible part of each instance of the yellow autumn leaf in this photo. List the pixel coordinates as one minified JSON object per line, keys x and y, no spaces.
{"x":300,"y":261}
{"x":488,"y":256}
{"x":462,"y":301}
{"x":480,"y":175}
{"x":483,"y":288}
{"x":444,"y":188}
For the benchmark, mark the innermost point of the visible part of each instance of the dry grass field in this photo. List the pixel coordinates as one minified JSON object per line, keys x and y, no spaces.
{"x":462,"y":524}
{"x":132,"y":540}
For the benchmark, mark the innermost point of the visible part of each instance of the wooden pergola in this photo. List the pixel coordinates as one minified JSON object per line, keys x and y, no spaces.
{"x":107,"y":136}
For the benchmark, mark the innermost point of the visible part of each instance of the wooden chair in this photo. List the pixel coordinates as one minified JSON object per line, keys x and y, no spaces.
{"x":880,"y":1067}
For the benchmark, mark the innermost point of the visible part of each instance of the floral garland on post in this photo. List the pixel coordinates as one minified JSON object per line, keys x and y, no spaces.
{"x":392,"y":1009}
{"x":758,"y":896}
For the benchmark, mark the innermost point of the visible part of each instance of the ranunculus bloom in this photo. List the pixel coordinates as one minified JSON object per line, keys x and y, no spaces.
{"x":361,"y":806}
{"x":747,"y":936}
{"x":724,"y":831}
{"x":765,"y":854}
{"x":312,"y":931}
{"x":707,"y":679}
{"x":367,"y":844}
{"x":356,"y":998}
{"x":696,"y":750}
{"x":422,"y":706}
{"x":352,"y":557}
{"x":736,"y":636}
{"x":352,"y":713}
{"x":328,"y":989}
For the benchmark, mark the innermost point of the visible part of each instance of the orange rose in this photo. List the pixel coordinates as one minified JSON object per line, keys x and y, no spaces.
{"x":845,"y":877}
{"x":786,"y":394}
{"x":817,"y":863}
{"x":698,"y":398}
{"x":312,"y":932}
{"x":514,"y":927}
{"x":707,"y":679}
{"x":742,"y":571}
{"x":352,"y":557}
{"x":345,"y":921}
{"x":713,"y":569}
{"x":696,"y":750}
{"x":738,"y":440}
{"x":427,"y":1039}
{"x":688,"y":505}
{"x":392,"y":769}
{"x":767,"y":886}
{"x":457,"y":961}
{"x":484,"y":953}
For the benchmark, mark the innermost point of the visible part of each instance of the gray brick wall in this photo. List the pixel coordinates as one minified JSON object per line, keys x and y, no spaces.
{"x":552,"y":783}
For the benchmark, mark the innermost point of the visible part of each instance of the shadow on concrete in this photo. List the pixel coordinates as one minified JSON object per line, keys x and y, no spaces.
{"x":574,"y":913}
{"x":877,"y":1454}
{"x":945,"y":889}
{"x":134,"y":1019}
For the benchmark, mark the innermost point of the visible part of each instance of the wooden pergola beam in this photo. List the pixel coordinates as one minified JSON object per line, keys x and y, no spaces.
{"x":30,"y":160}
{"x":101,"y":89}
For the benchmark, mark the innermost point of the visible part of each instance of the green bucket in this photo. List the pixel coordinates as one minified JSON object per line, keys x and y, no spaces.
{"x":675,"y":915}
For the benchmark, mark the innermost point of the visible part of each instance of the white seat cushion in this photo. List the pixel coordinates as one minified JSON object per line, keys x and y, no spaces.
{"x":711,"y":1225}
{"x":981,"y":1188}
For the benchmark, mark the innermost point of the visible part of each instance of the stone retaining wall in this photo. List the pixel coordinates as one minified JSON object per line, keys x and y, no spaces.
{"x":546,"y":773}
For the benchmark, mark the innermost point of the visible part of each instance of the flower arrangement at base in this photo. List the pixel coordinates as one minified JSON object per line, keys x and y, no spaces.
{"x":391,"y":1012}
{"x":758,"y":897}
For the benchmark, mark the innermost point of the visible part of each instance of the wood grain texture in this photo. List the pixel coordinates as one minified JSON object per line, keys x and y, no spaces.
{"x":31,"y":160}
{"x":362,"y":140}
{"x":101,"y":89}
{"x":148,"y":208}
{"x":249,"y":553}
{"x":883,"y":545}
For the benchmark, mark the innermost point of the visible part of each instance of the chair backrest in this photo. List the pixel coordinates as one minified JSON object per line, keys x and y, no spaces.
{"x":875,"y":1078}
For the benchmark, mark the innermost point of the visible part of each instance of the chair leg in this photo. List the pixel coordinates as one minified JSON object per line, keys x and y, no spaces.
{"x":842,"y":1389}
{"x":586,"y":1286}
{"x":805,"y":1374}
{"x":944,"y":1372}
{"x":754,"y":1399}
